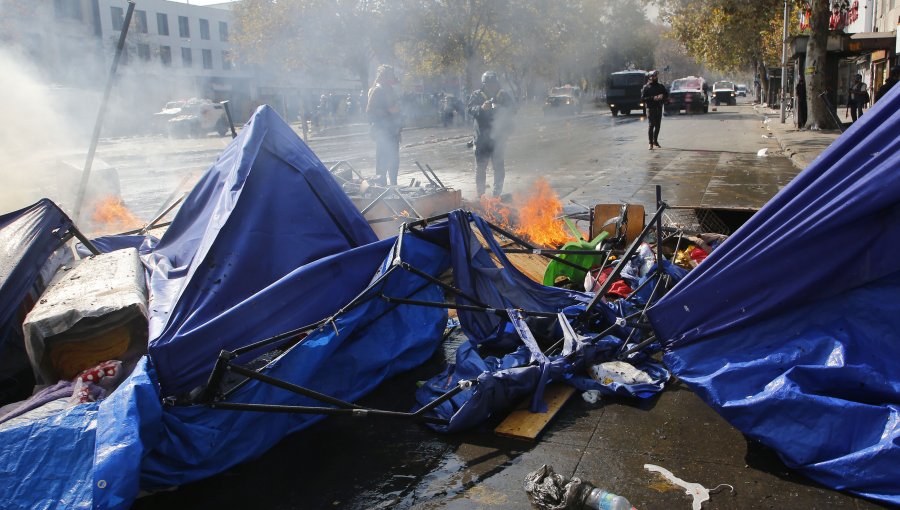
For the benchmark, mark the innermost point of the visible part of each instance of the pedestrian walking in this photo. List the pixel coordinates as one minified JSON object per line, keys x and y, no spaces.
{"x":891,"y":80}
{"x":386,"y":121}
{"x":857,"y":97}
{"x":493,"y":110}
{"x":654,"y":95}
{"x":800,"y":107}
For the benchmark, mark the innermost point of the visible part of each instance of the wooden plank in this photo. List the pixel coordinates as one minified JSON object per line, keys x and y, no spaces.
{"x":523,"y":424}
{"x":603,"y":212}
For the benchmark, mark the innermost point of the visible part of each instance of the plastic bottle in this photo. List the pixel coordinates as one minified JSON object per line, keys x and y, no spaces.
{"x":599,"y":499}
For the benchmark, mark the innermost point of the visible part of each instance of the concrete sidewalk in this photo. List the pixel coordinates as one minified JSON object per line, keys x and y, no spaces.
{"x":802,"y":146}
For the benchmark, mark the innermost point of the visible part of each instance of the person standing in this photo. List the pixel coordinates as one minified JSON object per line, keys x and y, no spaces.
{"x":493,"y":110}
{"x":857,"y":97}
{"x":654,"y":95}
{"x":383,"y":111}
{"x":891,"y":80}
{"x":800,"y":106}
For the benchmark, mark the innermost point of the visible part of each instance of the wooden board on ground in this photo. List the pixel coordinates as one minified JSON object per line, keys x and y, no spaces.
{"x":523,"y":424}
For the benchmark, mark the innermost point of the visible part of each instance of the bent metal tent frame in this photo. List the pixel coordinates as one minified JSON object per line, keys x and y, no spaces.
{"x":218,"y":309}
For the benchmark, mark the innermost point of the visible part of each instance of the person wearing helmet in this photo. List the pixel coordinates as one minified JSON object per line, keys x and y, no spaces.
{"x":891,"y":80}
{"x":383,"y":111}
{"x":857,"y":97}
{"x":493,"y":110}
{"x":654,"y":95}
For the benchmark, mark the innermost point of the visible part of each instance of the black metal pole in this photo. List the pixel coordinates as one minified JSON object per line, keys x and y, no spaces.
{"x":524,"y":243}
{"x":425,"y":173}
{"x":621,"y":265}
{"x":360,"y":412}
{"x":160,"y":215}
{"x":98,"y":125}
{"x":435,"y":175}
{"x":436,"y":281}
{"x":486,"y":309}
{"x":228,"y":116}
{"x":659,"y":232}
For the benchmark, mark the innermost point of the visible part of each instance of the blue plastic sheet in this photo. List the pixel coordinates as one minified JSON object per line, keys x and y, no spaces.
{"x":523,"y":370}
{"x":789,"y":328}
{"x":266,"y":194}
{"x":28,"y":239}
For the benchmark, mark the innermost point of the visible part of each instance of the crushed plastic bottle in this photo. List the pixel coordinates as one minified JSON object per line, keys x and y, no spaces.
{"x":549,"y":490}
{"x":603,"y":500}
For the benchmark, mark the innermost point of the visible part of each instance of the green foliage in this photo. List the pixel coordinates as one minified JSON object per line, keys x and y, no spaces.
{"x":727,"y":35}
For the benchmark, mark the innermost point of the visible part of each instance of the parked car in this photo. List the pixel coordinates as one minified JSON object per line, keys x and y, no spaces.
{"x":565,"y":99}
{"x":724,"y":92}
{"x":741,"y":90}
{"x":192,"y":118}
{"x":690,"y":94}
{"x":623,"y":91}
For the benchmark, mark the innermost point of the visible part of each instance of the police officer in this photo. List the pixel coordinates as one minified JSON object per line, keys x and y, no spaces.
{"x":492,"y":109}
{"x":654,"y":96}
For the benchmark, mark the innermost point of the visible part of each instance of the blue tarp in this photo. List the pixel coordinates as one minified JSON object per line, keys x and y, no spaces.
{"x":267,"y":194}
{"x":789,"y":328}
{"x":264,"y":245}
{"x":28,"y":238}
{"x":523,"y":369}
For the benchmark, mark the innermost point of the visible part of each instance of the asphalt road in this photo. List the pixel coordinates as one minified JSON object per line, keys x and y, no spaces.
{"x":707,"y":160}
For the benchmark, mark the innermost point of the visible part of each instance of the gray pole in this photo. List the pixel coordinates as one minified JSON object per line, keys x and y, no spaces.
{"x":86,"y":174}
{"x":784,"y":51}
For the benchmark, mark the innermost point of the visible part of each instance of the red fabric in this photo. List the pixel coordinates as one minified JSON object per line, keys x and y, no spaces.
{"x":618,"y":288}
{"x":698,"y":255}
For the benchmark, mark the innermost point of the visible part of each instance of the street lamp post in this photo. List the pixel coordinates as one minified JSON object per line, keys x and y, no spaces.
{"x":784,"y":50}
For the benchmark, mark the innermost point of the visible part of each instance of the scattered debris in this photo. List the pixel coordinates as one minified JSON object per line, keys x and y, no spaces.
{"x":762,"y":152}
{"x":549,"y":490}
{"x":695,"y":490}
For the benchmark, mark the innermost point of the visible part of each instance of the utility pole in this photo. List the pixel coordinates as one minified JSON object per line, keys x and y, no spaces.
{"x":784,"y":51}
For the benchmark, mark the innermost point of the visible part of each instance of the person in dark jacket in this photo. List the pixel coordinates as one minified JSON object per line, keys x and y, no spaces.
{"x":801,"y":102}
{"x":654,"y":95}
{"x":493,"y":110}
{"x":383,"y":110}
{"x":892,"y":79}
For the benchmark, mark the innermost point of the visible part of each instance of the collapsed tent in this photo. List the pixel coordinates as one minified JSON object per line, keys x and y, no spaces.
{"x":31,"y":239}
{"x":269,"y":293}
{"x":789,"y":329}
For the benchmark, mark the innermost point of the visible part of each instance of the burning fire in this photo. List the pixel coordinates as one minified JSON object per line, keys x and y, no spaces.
{"x":533,"y":215}
{"x":111,"y":214}
{"x":537,"y":216}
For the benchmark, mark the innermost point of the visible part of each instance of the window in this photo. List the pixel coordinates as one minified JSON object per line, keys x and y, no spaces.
{"x":187,"y":59}
{"x":165,"y":55}
{"x":207,"y":59}
{"x":162,"y":23}
{"x":226,"y":60}
{"x":223,"y":31}
{"x":141,"y":21}
{"x":118,"y":17}
{"x":204,"y":29}
{"x":143,"y":51}
{"x":70,"y":9}
{"x":184,"y":30}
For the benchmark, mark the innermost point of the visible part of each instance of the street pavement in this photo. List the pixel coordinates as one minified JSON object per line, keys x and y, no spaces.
{"x":706,"y":160}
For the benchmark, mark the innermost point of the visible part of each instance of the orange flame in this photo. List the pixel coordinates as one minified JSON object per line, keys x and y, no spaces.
{"x":111,"y":214}
{"x":496,"y":212}
{"x":538,"y":216}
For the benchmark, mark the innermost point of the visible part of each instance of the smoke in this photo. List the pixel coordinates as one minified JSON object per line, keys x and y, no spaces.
{"x":36,"y":129}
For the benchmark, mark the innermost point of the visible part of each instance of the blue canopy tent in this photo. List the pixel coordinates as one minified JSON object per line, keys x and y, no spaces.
{"x":789,"y":329}
{"x":30,"y":236}
{"x":326,"y":315}
{"x":267,"y":193}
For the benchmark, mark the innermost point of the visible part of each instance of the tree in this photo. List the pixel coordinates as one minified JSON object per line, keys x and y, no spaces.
{"x":816,"y":49}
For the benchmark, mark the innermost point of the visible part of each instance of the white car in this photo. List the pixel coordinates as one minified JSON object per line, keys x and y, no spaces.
{"x":192,"y":118}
